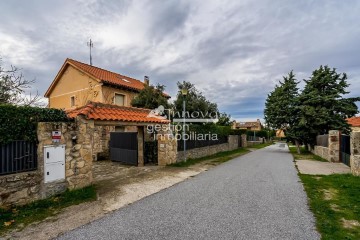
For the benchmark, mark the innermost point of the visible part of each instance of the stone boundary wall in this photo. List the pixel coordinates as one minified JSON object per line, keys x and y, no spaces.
{"x":355,"y":153}
{"x":232,"y":144}
{"x":22,"y":188}
{"x":321,"y":152}
{"x":252,"y":143}
{"x":332,"y":152}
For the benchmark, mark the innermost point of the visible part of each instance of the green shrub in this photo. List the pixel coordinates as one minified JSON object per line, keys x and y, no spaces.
{"x":20,"y":122}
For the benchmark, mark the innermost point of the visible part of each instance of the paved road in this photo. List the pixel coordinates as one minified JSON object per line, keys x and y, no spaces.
{"x":256,"y":196}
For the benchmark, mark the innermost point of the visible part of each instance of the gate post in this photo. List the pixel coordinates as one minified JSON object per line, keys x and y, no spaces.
{"x":355,"y":153}
{"x":140,"y":139}
{"x":243,"y":140}
{"x":334,"y":146}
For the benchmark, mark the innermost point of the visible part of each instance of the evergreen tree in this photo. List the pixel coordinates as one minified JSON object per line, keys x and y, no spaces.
{"x":281,"y":108}
{"x":323,"y":106}
{"x":151,"y":97}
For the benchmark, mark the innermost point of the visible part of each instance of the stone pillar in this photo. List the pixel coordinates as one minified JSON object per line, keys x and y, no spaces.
{"x":334,"y":146}
{"x":140,"y":137}
{"x":355,"y":153}
{"x":243,"y":140}
{"x":167,"y":149}
{"x":79,"y":154}
{"x":233,"y":141}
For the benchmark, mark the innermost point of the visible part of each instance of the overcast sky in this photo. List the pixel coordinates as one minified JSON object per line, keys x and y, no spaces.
{"x":233,"y":51}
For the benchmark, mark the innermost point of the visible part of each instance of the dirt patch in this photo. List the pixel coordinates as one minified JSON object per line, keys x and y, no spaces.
{"x":330,"y":193}
{"x":335,"y":207}
{"x":350,"y":223}
{"x":117,"y":187}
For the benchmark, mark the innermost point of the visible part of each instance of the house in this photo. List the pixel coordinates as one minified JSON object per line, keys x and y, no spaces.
{"x":280,"y":133}
{"x":103,"y":98}
{"x":354,"y":123}
{"x":77,"y":83}
{"x":251,"y":126}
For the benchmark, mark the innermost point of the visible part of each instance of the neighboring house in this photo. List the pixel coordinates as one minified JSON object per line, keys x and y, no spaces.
{"x":251,"y":126}
{"x":354,"y":123}
{"x":280,"y":133}
{"x":78,"y":83}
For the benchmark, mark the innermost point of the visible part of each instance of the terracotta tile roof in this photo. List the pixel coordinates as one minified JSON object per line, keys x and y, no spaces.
{"x":108,"y":76}
{"x":354,"y":121}
{"x":109,"y":112}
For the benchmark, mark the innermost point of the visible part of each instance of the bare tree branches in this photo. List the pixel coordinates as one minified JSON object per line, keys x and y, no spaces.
{"x":15,"y":89}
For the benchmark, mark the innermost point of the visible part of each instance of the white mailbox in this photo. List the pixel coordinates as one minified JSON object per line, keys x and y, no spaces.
{"x":54,"y":163}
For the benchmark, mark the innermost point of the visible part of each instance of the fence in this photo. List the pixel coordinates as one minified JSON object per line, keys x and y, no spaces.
{"x":191,"y":144}
{"x":322,"y":140}
{"x":18,"y":156}
{"x":254,"y":139}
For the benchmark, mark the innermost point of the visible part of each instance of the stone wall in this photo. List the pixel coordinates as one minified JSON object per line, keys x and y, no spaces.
{"x":78,"y":139}
{"x":20,"y":188}
{"x":232,"y":144}
{"x":334,"y":146}
{"x":233,"y":141}
{"x":355,"y":153}
{"x":167,"y":150}
{"x":202,"y":152}
{"x":244,"y":140}
{"x":321,"y":152}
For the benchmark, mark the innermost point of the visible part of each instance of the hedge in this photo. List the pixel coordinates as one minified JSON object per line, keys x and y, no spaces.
{"x":20,"y":122}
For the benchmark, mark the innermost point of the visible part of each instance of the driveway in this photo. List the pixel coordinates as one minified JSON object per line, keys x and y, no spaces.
{"x":255,"y":196}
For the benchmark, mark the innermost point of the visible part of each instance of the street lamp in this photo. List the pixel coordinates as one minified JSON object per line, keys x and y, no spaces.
{"x":184,"y":92}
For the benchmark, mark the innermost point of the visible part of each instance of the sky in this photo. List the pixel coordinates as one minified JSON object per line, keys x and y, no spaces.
{"x":233,"y":51}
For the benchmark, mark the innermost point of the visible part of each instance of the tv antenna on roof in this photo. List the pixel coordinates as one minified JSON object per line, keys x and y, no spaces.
{"x":90,"y":44}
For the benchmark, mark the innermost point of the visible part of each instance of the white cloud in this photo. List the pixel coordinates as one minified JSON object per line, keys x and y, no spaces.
{"x":234,"y":51}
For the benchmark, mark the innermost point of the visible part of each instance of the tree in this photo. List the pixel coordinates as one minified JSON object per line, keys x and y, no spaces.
{"x":323,"y":106}
{"x":320,"y":107}
{"x":282,"y":108}
{"x":224,"y":119}
{"x":151,"y":97}
{"x":195,"y":101}
{"x":13,"y":88}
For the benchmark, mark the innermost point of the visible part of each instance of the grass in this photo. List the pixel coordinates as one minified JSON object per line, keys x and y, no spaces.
{"x":21,"y":216}
{"x":216,"y":158}
{"x":335,"y":202}
{"x":261,"y":145}
{"x":305,"y":154}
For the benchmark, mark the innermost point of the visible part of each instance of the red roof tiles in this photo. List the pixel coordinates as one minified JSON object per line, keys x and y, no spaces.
{"x":109,"y":112}
{"x":108,"y":76}
{"x":354,"y":121}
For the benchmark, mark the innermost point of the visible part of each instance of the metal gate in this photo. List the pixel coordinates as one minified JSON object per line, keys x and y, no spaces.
{"x":124,"y":147}
{"x":345,"y":149}
{"x":151,"y":152}
{"x":18,"y":156}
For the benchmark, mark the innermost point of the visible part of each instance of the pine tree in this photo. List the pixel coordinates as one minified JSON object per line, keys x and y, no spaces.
{"x":281,"y":107}
{"x":323,"y":106}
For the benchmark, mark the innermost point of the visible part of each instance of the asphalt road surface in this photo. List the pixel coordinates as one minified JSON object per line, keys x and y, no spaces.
{"x":255,"y":196}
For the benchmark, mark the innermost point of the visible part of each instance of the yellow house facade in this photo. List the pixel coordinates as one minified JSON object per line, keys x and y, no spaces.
{"x":78,"y":83}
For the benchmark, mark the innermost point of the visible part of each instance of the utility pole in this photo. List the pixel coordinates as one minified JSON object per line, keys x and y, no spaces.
{"x":90,"y":44}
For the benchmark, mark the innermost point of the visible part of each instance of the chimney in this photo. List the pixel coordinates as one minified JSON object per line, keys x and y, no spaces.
{"x":146,"y":80}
